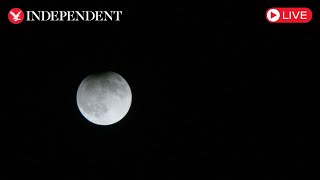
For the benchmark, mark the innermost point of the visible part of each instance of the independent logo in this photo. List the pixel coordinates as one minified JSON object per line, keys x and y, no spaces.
{"x":15,"y":16}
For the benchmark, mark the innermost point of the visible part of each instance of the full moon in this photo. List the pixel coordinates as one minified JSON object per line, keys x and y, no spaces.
{"x":104,"y":98}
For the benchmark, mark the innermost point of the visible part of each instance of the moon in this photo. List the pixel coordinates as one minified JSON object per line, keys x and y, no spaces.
{"x":104,"y":98}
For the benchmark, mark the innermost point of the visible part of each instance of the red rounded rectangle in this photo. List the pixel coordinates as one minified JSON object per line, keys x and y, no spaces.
{"x":289,"y":15}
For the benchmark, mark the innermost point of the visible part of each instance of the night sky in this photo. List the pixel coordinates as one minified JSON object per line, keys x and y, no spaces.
{"x":217,"y":93}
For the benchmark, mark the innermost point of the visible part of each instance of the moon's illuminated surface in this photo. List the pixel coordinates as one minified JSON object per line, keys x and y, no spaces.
{"x":105,"y":98}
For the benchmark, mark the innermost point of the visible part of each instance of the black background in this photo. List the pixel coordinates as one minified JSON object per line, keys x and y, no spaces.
{"x":218,"y":92}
